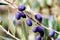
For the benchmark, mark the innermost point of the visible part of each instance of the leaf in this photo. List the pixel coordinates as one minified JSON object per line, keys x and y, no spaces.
{"x":54,"y":24}
{"x":5,"y":38}
{"x":45,"y":34}
{"x":45,"y":22}
{"x":55,"y":36}
{"x":34,"y":4}
{"x":49,"y":2}
{"x":26,"y":2}
{"x":24,"y":31}
{"x":58,"y":1}
{"x":11,"y":27}
{"x":4,"y":24}
{"x":35,"y":34}
{"x":54,"y":27}
{"x":17,"y":2}
{"x":20,"y":2}
{"x":18,"y":32}
{"x":58,"y":23}
{"x":45,"y":3}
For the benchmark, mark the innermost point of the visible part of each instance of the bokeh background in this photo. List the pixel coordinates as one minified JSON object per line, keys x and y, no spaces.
{"x":47,"y":8}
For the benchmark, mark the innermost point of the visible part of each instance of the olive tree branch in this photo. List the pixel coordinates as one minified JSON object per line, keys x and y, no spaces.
{"x":28,"y":14}
{"x":8,"y":33}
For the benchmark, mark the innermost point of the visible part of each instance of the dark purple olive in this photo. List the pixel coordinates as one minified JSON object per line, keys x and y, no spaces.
{"x":23,"y":15}
{"x":58,"y":38}
{"x":38,"y":37}
{"x":51,"y":33}
{"x":34,"y":29}
{"x":40,"y":30}
{"x":38,"y":17}
{"x":18,"y":15}
{"x":21,"y":8}
{"x":29,"y":22}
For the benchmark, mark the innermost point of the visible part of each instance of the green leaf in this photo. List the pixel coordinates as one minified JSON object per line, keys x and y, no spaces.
{"x":35,"y":34}
{"x":18,"y":32}
{"x":58,"y":27}
{"x":11,"y":26}
{"x":20,"y":2}
{"x":54,"y":27}
{"x":58,"y":1}
{"x":45,"y":34}
{"x":17,"y":2}
{"x":24,"y":31}
{"x":5,"y":38}
{"x":55,"y":36}
{"x":34,"y":4}
{"x":45,"y":3}
{"x":4,"y":24}
{"x":54,"y":24}
{"x":45,"y":22}
{"x":58,"y":23}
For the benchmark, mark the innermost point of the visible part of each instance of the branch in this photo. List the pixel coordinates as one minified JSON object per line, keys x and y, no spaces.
{"x":27,"y":14}
{"x":8,"y":33}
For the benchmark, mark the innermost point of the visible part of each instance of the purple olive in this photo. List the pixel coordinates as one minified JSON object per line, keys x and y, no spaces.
{"x":51,"y":33}
{"x":34,"y":29}
{"x":18,"y":15}
{"x":29,"y":22}
{"x":38,"y":37}
{"x":21,"y":8}
{"x":38,"y":17}
{"x":40,"y":30}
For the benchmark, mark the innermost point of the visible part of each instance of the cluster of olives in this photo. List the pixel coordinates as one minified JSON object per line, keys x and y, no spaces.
{"x":38,"y":28}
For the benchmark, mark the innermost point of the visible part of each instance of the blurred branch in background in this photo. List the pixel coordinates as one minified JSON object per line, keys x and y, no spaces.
{"x":1,"y":28}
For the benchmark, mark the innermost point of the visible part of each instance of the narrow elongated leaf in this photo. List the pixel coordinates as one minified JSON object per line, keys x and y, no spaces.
{"x":4,"y":24}
{"x":45,"y":22}
{"x":54,"y":24}
{"x":58,"y":23}
{"x":11,"y":26}
{"x":24,"y":31}
{"x":20,"y":2}
{"x":19,"y":33}
{"x":58,"y":1}
{"x":45,"y":3}
{"x":5,"y":38}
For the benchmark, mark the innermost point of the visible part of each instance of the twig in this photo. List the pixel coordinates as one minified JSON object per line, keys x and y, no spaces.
{"x":8,"y":33}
